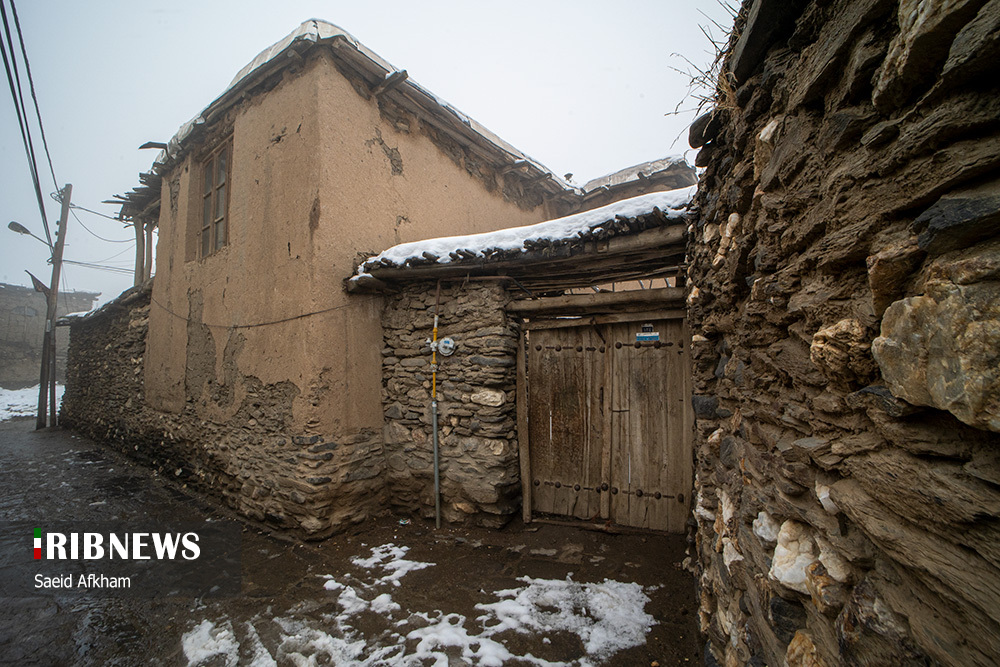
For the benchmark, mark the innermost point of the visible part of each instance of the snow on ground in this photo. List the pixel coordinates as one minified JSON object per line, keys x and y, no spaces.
{"x":671,"y":203}
{"x":208,"y":640}
{"x":23,"y":402}
{"x":389,"y":558}
{"x":607,"y":617}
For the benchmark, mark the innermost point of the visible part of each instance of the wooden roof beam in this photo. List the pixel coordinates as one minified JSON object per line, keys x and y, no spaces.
{"x":599,"y":300}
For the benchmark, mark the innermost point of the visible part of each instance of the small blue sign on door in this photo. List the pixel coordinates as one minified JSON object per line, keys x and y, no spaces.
{"x":647,"y":335}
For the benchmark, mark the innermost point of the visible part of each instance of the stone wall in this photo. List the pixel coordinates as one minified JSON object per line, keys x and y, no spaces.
{"x":258,"y":460}
{"x":846,"y":306}
{"x":480,"y":480}
{"x":312,"y":483}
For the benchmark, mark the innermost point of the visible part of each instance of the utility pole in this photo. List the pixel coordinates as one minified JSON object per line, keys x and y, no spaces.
{"x":47,"y":380}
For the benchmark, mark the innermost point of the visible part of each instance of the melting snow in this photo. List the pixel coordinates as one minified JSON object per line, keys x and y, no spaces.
{"x":607,"y":617}
{"x":207,"y":640}
{"x":23,"y":402}
{"x":571,"y":226}
{"x":389,"y":557}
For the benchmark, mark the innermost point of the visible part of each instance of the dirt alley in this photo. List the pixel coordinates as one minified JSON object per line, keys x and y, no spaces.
{"x":286,"y":615}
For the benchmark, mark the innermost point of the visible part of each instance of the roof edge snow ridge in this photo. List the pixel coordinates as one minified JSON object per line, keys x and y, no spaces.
{"x":672,"y":206}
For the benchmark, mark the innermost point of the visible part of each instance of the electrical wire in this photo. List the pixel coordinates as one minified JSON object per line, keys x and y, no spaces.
{"x":103,"y":215}
{"x":34,"y":98}
{"x":250,"y":326}
{"x":14,"y":82}
{"x":94,"y":234}
{"x":100,"y":267}
{"x":118,"y":254}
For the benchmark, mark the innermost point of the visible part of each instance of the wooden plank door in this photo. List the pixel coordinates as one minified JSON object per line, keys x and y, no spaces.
{"x":565,"y":421}
{"x":651,"y":422}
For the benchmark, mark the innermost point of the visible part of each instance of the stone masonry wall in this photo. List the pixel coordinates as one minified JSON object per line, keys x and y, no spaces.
{"x":480,"y":479}
{"x":846,"y":312}
{"x":258,"y":461}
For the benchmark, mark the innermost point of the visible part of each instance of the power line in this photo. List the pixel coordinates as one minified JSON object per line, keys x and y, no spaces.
{"x":88,"y":230}
{"x":255,"y":324}
{"x":34,"y":98}
{"x":119,"y":254}
{"x":103,"y":215}
{"x":100,"y":267}
{"x":14,"y":82}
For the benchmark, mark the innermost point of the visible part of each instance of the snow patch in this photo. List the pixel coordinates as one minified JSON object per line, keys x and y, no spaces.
{"x":23,"y":402}
{"x":206,"y":641}
{"x":306,"y":646}
{"x":389,"y":558}
{"x":607,"y":617}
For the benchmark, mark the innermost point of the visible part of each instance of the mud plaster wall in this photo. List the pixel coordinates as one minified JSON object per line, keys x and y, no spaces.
{"x":480,"y":478}
{"x":846,"y":312}
{"x":262,"y":380}
{"x":257,"y":461}
{"x":318,"y":177}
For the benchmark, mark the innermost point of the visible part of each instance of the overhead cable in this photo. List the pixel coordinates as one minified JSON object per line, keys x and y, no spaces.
{"x":34,"y":98}
{"x":14,"y":82}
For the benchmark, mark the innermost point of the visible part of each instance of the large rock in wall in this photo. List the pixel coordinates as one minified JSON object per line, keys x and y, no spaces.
{"x":477,"y":416}
{"x":259,"y":461}
{"x":846,"y":317}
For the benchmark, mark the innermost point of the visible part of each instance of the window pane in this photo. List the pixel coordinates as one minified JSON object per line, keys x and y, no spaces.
{"x":206,"y":217}
{"x":220,"y":172}
{"x":206,"y":240}
{"x":220,"y":202}
{"x":220,"y":234}
{"x":208,"y":177}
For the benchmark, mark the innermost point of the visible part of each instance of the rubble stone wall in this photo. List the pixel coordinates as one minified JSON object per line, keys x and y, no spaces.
{"x":846,"y":312}
{"x":258,"y":460}
{"x":480,"y":479}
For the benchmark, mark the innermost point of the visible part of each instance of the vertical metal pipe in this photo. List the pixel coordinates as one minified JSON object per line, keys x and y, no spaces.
{"x":434,"y":410}
{"x":437,"y":474}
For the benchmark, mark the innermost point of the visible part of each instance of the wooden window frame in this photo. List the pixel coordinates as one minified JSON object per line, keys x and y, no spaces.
{"x":214,"y":194}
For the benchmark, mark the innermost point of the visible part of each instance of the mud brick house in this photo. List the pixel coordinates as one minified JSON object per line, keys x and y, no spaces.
{"x":249,"y":370}
{"x":833,"y":291}
{"x":22,"y":325}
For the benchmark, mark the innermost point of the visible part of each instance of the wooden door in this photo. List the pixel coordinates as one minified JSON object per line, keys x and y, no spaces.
{"x":651,"y":425}
{"x":609,"y":423}
{"x":566,"y":421}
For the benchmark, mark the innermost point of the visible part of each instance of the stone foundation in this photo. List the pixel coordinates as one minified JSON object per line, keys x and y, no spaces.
{"x":480,"y":480}
{"x":258,"y":461}
{"x":265,"y":465}
{"x":846,"y":312}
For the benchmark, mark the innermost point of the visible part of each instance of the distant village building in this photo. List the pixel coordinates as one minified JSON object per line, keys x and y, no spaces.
{"x":22,"y":326}
{"x":261,"y":377}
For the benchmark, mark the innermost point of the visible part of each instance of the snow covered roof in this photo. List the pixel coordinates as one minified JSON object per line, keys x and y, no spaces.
{"x":644,"y":171}
{"x":639,"y":213}
{"x":346,"y":48}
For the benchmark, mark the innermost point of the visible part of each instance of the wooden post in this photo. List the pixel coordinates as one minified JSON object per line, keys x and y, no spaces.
{"x":522,"y":426}
{"x":140,"y":252}
{"x":47,"y":377}
{"x":148,"y":263}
